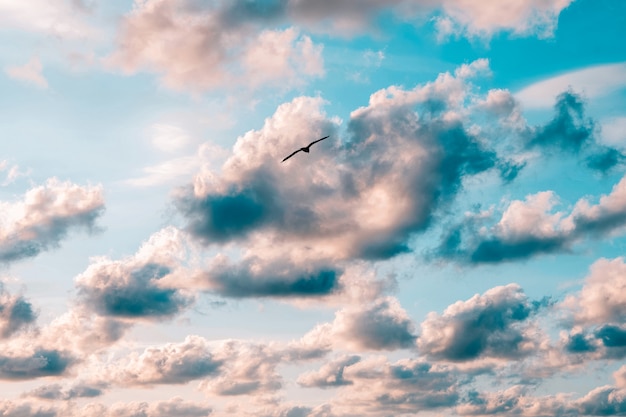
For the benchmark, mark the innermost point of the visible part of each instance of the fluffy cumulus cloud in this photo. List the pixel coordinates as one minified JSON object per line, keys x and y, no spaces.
{"x":284,"y":211}
{"x":602,"y":298}
{"x":132,"y":288}
{"x":379,"y":325}
{"x":532,"y":227}
{"x":172,"y":407}
{"x":171,"y":364}
{"x":379,"y":387}
{"x":45,"y":215}
{"x":16,"y":313}
{"x":329,"y":375}
{"x":171,"y":39}
{"x":259,"y":44}
{"x":492,"y":325}
{"x":485,"y":18}
{"x":31,"y":363}
{"x":225,"y":368}
{"x":80,"y":389}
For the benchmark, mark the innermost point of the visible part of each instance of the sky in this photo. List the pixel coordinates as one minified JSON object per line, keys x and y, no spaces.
{"x":454,"y":248}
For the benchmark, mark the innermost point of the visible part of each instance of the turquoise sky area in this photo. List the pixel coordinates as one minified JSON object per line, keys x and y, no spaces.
{"x":454,"y":247}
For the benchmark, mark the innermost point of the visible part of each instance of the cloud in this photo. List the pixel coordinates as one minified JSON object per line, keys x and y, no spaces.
{"x":484,"y":19}
{"x":529,"y":228}
{"x":380,"y":325}
{"x":379,"y":387}
{"x":599,"y":301}
{"x":171,"y":364}
{"x":256,"y":278}
{"x":390,"y":197}
{"x":172,"y":407}
{"x":572,"y":132}
{"x":45,"y":216}
{"x":29,"y":73}
{"x":180,"y":30}
{"x":57,"y":18}
{"x":78,"y":390}
{"x":16,"y":313}
{"x":330,"y":375}
{"x":37,"y":364}
{"x":594,"y":82}
{"x":12,"y":173}
{"x":614,"y":131}
{"x":132,"y":287}
{"x":495,"y":324}
{"x":515,"y":401}
{"x":453,"y":17}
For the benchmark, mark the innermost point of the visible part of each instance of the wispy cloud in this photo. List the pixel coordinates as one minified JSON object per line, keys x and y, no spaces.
{"x":31,"y":72}
{"x":593,"y":82}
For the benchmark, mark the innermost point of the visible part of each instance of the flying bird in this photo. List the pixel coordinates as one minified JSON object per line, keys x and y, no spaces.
{"x":306,"y":148}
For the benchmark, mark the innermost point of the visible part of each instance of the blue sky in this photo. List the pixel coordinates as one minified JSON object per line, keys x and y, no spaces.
{"x":454,"y":248}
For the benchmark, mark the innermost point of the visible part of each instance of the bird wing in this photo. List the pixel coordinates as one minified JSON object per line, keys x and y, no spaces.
{"x":295,"y":152}
{"x":319,"y":140}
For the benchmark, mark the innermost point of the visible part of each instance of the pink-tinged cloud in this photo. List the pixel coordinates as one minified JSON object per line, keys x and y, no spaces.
{"x":132,"y":288}
{"x":170,"y":38}
{"x":495,"y":324}
{"x":45,"y":216}
{"x":28,"y":73}
{"x":16,"y":313}
{"x":360,"y":197}
{"x":532,"y":227}
{"x":602,"y":298}
{"x":168,"y":408}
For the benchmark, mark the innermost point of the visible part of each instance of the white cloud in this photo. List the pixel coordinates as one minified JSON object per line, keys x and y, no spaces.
{"x":594,"y":82}
{"x":60,"y":18}
{"x":614,"y":131}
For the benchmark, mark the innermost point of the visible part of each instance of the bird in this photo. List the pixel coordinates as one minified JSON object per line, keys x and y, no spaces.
{"x":305,"y":149}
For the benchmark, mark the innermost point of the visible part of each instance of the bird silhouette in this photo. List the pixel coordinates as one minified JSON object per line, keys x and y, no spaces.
{"x":305,"y":149}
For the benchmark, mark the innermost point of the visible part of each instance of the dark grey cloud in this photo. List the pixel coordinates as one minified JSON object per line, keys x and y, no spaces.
{"x":16,"y":313}
{"x":46,"y":216}
{"x":132,"y":291}
{"x":330,"y":375}
{"x":38,"y":364}
{"x":490,"y":325}
{"x":571,"y":131}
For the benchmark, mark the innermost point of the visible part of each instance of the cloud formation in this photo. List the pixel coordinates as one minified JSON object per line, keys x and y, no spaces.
{"x":16,"y":313}
{"x":44,"y":217}
{"x":284,"y":211}
{"x":494,"y":325}
{"x":531,"y":227}
{"x":132,"y":287}
{"x":241,"y":53}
